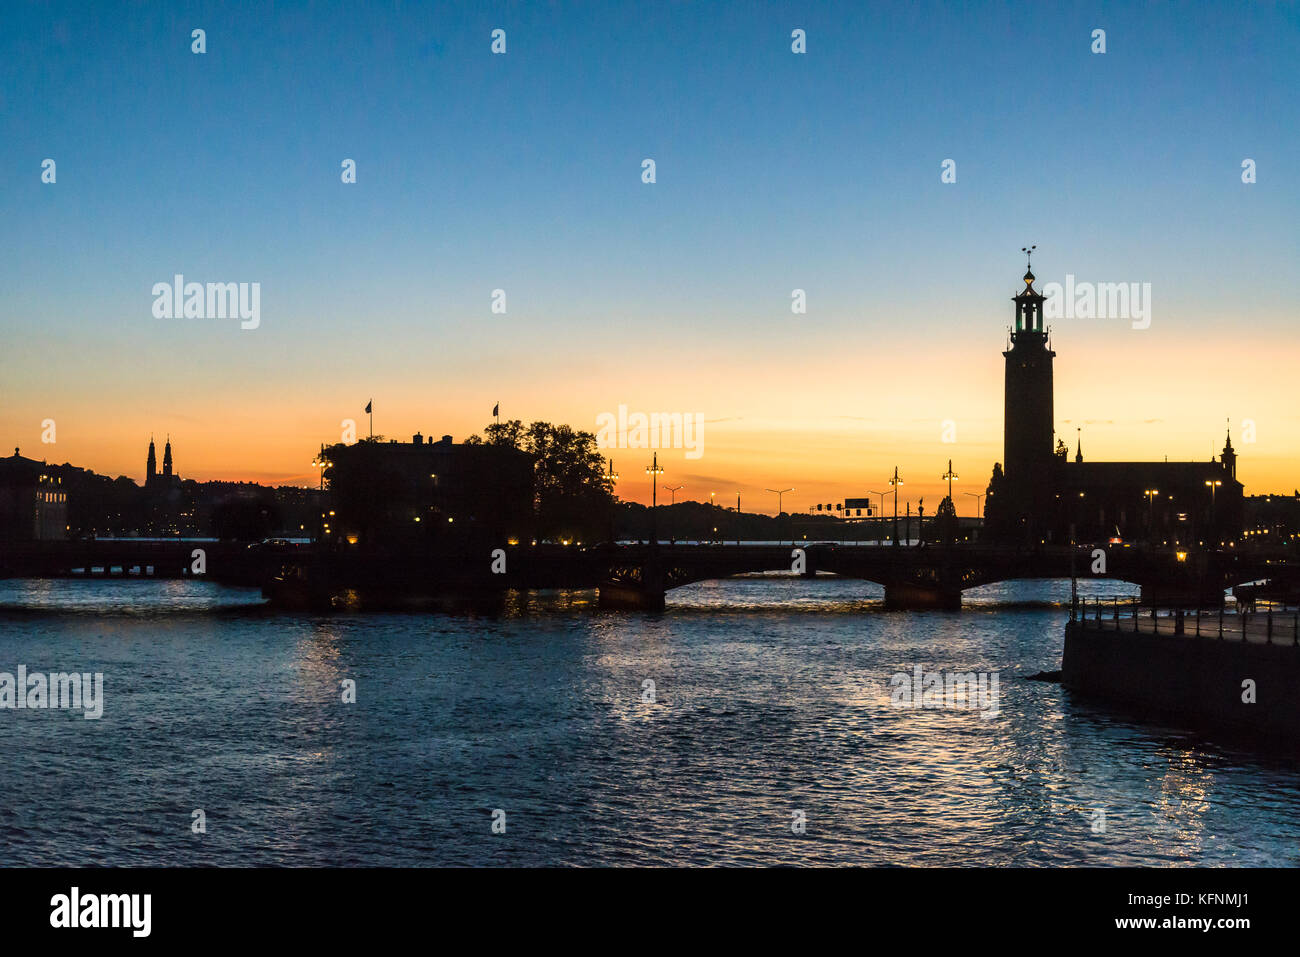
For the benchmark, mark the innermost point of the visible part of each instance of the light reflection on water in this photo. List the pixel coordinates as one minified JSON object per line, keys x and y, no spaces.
{"x":771,"y":696}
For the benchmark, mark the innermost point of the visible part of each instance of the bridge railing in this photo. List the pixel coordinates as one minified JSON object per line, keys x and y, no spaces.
{"x":1272,"y":625}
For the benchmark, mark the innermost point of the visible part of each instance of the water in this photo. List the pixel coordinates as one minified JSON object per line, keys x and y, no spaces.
{"x":771,"y":698}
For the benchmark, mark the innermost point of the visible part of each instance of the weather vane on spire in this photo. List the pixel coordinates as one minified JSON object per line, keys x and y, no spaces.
{"x":1029,"y":255}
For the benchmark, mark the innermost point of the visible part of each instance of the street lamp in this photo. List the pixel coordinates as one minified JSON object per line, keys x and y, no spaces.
{"x":611,"y":478}
{"x":978,"y":497}
{"x":1151,"y":494}
{"x":319,"y":463}
{"x":779,"y":492}
{"x":881,"y":514}
{"x":654,"y":471}
{"x":1212,"y":484}
{"x":949,"y":475}
{"x":673,"y":489}
{"x":894,"y":483}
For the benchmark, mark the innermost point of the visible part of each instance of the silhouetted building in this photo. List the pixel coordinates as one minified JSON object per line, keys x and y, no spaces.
{"x":1272,"y":520}
{"x":166,"y":507}
{"x":1027,"y":417}
{"x":435,"y":493}
{"x":1044,"y":497}
{"x":33,"y":502}
{"x":1173,"y":502}
{"x":167,"y":479}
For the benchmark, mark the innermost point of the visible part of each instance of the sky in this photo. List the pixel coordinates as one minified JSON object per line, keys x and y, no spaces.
{"x":774,"y":171}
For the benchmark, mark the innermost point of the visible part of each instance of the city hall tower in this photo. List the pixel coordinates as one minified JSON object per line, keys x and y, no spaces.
{"x":1027,"y":419}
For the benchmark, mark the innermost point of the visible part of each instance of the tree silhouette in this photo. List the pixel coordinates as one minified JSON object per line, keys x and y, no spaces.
{"x":943,"y":527}
{"x":571,"y":496}
{"x":997,"y":514}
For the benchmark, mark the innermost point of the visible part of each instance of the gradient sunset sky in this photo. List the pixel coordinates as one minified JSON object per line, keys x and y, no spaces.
{"x":775,"y":171}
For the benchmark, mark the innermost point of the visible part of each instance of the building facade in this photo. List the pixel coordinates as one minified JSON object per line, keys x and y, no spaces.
{"x":1044,"y":497}
{"x":427,"y":493}
{"x":33,"y":501}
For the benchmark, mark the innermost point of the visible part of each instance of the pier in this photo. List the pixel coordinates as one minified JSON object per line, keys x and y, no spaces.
{"x":1280,"y":625}
{"x":1230,"y":673}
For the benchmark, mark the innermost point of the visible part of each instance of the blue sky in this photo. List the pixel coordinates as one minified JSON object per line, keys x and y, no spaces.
{"x":775,"y":171}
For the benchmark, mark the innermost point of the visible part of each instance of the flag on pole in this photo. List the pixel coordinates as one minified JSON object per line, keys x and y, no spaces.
{"x":496,"y":410}
{"x":368,"y":405}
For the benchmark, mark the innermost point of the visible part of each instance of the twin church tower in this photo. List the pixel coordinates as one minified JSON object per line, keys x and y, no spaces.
{"x":152,"y":479}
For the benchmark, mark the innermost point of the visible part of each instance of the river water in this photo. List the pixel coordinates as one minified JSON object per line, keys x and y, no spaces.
{"x":770,"y":735}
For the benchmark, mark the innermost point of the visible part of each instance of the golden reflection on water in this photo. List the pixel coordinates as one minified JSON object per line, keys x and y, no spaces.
{"x":318,"y":665}
{"x":1182,"y":800}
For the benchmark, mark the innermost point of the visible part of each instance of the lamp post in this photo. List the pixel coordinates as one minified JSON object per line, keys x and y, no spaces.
{"x":611,"y":478}
{"x":950,"y":475}
{"x":320,"y":463}
{"x":894,"y":483}
{"x":1151,"y":494}
{"x":1213,"y":484}
{"x":779,"y":492}
{"x":881,"y":514}
{"x":979,"y":513}
{"x":654,"y":471}
{"x":738,"y":516}
{"x":673,"y":490}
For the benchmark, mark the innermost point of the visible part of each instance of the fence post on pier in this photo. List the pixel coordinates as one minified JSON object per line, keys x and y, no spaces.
{"x":1116,"y":611}
{"x":1270,"y":626}
{"x":1198,"y":621}
{"x":1220,"y":619}
{"x":1136,"y":602}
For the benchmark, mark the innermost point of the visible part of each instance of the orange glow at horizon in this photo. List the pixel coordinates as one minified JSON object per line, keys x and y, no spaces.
{"x":831,"y":422}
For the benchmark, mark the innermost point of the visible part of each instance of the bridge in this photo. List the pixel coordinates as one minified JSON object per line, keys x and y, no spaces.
{"x":935,"y":576}
{"x":641,"y":575}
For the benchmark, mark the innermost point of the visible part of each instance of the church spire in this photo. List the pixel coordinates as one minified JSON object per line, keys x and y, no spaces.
{"x":1078,"y":454}
{"x":167,"y":459}
{"x":151,"y":467}
{"x":1229,"y":458}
